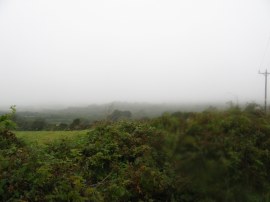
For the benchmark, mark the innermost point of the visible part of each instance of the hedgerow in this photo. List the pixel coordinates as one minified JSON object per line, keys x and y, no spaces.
{"x":207,"y":156}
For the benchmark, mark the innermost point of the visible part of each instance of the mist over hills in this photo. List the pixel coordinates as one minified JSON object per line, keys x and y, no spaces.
{"x":95,"y":112}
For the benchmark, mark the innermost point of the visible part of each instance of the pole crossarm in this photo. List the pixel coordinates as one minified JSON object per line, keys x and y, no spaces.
{"x":264,"y":73}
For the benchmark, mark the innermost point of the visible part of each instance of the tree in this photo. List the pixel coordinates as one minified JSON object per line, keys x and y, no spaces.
{"x":39,"y":124}
{"x":75,"y":125}
{"x":120,"y":115}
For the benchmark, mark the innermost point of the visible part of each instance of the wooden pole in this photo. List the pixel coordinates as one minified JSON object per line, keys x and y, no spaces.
{"x":265,"y":89}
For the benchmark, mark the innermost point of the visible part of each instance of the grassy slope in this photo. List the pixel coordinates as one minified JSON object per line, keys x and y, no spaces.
{"x":44,"y":137}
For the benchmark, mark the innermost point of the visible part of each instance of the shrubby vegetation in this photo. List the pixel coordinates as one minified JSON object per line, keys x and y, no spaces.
{"x":208,"y":156}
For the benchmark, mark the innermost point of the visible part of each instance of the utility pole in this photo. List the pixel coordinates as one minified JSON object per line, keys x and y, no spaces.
{"x":265,"y":93}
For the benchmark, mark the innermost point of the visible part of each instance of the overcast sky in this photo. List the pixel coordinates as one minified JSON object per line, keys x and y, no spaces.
{"x":98,"y":51}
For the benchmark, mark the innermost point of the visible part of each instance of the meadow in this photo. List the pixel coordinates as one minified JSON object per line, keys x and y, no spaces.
{"x":42,"y":138}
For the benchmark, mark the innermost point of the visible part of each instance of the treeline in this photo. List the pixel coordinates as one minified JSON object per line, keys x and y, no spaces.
{"x":208,"y":156}
{"x":35,"y":123}
{"x":58,"y":119}
{"x":40,"y":124}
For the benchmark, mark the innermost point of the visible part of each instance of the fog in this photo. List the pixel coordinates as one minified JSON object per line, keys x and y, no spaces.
{"x":69,"y":52}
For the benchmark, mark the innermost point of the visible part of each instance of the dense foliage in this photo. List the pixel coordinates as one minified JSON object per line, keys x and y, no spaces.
{"x":208,"y":156}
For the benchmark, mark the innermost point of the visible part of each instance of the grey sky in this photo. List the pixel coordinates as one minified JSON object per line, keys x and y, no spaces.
{"x":89,"y":51}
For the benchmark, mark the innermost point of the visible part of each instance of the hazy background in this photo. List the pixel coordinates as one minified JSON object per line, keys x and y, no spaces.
{"x":72,"y":52}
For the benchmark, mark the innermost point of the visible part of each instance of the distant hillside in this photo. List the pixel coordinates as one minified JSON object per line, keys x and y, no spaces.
{"x":95,"y":112}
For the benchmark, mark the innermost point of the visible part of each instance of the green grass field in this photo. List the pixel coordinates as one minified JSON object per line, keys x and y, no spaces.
{"x":46,"y":137}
